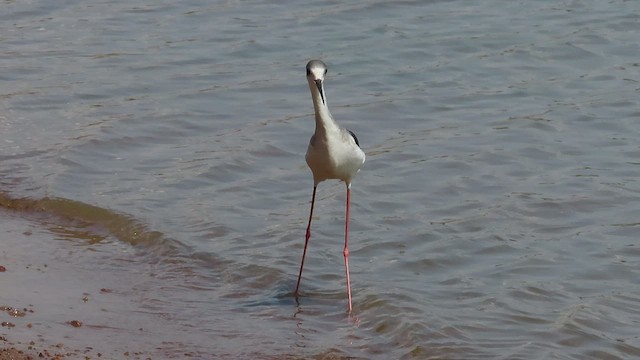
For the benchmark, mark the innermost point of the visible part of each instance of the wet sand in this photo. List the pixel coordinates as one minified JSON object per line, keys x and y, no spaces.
{"x":71,"y":290}
{"x":14,"y":354}
{"x":42,"y":309}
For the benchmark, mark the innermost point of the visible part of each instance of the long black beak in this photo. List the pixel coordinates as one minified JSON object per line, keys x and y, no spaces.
{"x":319,"y":85}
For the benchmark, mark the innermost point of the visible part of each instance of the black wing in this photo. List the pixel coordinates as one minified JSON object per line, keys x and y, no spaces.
{"x":354,"y":137}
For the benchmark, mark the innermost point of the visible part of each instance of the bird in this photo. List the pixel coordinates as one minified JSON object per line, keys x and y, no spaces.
{"x":333,"y":153}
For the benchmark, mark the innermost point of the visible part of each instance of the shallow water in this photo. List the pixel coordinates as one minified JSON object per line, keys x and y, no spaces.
{"x":496,"y":216}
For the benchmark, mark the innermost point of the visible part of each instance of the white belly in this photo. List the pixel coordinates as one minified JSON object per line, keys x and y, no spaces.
{"x":338,"y":158}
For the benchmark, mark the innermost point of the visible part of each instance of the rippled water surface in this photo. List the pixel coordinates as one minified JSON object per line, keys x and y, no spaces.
{"x":497,"y":215}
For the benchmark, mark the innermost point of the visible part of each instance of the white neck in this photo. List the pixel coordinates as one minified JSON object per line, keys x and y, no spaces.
{"x":324,"y":120}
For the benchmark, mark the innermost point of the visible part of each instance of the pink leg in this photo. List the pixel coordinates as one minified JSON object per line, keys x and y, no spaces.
{"x":308,"y":235}
{"x":346,"y":246}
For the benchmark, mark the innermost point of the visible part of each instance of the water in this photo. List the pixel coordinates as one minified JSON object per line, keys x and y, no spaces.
{"x":162,"y":144}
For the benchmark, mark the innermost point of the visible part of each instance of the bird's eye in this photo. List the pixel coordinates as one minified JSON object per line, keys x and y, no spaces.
{"x":325,"y":71}
{"x":308,"y":72}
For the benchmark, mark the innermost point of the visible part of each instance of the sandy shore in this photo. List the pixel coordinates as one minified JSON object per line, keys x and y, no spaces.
{"x":54,"y":303}
{"x":15,"y":264}
{"x":15,"y":354}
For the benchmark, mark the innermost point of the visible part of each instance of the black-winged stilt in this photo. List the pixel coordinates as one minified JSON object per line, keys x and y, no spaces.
{"x":333,"y":153}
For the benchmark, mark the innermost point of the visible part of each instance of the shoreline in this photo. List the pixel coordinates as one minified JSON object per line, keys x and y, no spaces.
{"x":55,"y":303}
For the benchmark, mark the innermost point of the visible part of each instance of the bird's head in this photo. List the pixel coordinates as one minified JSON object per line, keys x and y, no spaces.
{"x":316,"y":71}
